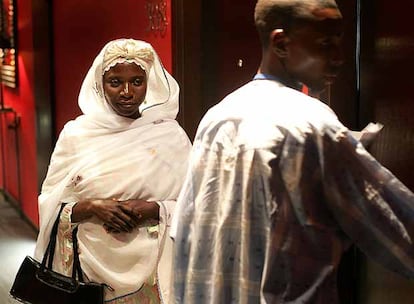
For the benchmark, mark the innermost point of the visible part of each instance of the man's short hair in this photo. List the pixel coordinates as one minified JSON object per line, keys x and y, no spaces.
{"x":284,"y":14}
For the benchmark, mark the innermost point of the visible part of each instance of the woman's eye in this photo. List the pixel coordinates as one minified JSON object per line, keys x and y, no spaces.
{"x":137,"y":82}
{"x":114,"y":82}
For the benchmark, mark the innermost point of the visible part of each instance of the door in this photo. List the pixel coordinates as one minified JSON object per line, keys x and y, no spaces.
{"x":387,"y":52}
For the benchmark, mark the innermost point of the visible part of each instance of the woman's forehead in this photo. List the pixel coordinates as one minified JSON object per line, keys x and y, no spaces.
{"x":126,"y":67}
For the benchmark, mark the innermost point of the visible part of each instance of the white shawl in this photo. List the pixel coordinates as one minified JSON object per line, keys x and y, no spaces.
{"x":103,"y":155}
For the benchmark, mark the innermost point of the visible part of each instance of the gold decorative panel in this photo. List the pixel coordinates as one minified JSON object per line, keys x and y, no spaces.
{"x":8,"y":43}
{"x":157,"y":16}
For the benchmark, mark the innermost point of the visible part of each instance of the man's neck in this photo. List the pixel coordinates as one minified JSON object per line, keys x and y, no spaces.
{"x":272,"y":65}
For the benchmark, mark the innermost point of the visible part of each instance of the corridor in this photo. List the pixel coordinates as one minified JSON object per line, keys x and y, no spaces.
{"x":17,"y":239}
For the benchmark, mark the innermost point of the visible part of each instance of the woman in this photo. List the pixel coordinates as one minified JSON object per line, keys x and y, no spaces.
{"x":119,"y":168}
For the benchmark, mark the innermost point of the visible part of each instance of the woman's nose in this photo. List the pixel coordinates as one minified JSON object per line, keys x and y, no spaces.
{"x":125,"y":90}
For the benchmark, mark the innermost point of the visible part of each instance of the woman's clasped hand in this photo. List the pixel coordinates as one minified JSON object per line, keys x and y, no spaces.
{"x":123,"y":216}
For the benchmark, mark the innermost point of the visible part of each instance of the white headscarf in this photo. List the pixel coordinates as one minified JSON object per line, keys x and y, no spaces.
{"x":162,"y":89}
{"x":103,"y":155}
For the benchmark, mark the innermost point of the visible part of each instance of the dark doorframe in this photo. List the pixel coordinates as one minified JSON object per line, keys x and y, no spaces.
{"x":186,"y":44}
{"x":43,"y":84}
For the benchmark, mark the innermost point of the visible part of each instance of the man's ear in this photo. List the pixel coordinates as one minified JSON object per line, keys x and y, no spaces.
{"x":278,"y":42}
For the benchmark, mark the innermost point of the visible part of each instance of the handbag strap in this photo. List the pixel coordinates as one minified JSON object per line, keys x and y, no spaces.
{"x":76,"y":267}
{"x":50,"y":250}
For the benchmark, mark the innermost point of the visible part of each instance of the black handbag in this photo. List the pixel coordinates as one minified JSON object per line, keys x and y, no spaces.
{"x":36,"y":283}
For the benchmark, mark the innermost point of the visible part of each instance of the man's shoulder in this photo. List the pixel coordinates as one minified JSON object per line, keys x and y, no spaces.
{"x":255,"y":111}
{"x":265,"y":101}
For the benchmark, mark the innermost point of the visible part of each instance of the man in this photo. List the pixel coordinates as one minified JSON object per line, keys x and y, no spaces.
{"x":277,"y":187}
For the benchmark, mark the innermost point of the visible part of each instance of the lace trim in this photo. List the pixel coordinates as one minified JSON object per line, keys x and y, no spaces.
{"x":123,"y":60}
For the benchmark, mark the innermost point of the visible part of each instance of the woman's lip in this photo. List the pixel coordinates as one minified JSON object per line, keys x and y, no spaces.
{"x":127,"y":105}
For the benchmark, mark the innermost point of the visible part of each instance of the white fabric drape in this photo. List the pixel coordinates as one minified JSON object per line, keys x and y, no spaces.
{"x":103,"y":155}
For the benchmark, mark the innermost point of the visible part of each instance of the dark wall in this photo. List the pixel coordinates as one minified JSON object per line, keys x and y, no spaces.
{"x":186,"y":44}
{"x":387,"y":82}
{"x":43,"y":85}
{"x":387,"y":52}
{"x":343,"y":97}
{"x":216,"y":50}
{"x":231,"y":49}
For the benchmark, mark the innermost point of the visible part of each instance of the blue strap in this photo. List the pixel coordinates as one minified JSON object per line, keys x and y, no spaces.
{"x":262,"y":76}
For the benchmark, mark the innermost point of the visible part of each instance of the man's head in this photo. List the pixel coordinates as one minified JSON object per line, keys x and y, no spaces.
{"x":301,"y":40}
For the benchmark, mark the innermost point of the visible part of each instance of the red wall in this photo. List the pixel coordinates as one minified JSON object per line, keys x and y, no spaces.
{"x":22,"y":100}
{"x":81,"y":29}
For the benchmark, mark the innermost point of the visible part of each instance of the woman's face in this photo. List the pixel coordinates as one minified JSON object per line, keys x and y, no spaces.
{"x":125,"y":87}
